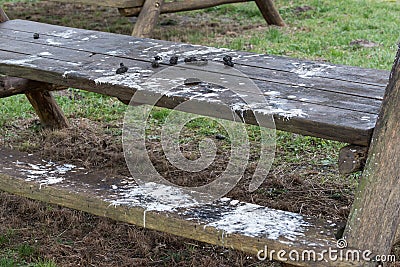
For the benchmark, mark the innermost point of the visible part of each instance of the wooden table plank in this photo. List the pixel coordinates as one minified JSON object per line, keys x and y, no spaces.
{"x":227,"y":222}
{"x":153,"y":47}
{"x":276,"y":69}
{"x":321,"y":121}
{"x":270,"y":89}
{"x":343,"y":87}
{"x":291,"y":71}
{"x":334,"y":109}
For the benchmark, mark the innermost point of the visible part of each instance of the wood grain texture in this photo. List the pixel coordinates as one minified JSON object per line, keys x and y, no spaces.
{"x":144,"y":50}
{"x":339,"y":102}
{"x":324,"y":91}
{"x":179,"y":6}
{"x":327,"y":77}
{"x":269,"y":12}
{"x":95,"y":192}
{"x":46,"y":107}
{"x":375,"y":214}
{"x":352,"y":159}
{"x":148,"y":18}
{"x":10,"y":86}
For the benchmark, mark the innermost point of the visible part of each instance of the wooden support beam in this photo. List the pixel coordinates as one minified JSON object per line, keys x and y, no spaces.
{"x":50,"y":114}
{"x":375,"y":214}
{"x":352,"y":158}
{"x":147,"y":18}
{"x":10,"y":86}
{"x":270,"y":13}
{"x":3,"y":15}
{"x":188,"y":5}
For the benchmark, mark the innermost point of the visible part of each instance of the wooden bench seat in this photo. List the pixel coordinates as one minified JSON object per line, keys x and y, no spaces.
{"x":318,"y":99}
{"x":228,"y":222}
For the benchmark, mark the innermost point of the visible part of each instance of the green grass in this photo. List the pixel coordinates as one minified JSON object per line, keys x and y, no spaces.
{"x":14,"y":258}
{"x":322,"y":32}
{"x":22,"y":254}
{"x":325,"y":31}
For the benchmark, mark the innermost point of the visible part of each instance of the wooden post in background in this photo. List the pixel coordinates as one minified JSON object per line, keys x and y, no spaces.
{"x":45,"y":106}
{"x":151,"y":10}
{"x":148,"y":18}
{"x":3,"y":15}
{"x":375,"y":215}
{"x":270,"y":13}
{"x":186,"y":5}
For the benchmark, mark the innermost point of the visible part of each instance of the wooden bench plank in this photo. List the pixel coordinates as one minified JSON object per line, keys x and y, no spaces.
{"x":227,"y":222}
{"x":80,"y":58}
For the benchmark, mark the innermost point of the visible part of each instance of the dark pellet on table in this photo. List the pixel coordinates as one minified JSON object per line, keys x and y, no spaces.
{"x":155,"y":64}
{"x":227,"y":58}
{"x":173,"y":60}
{"x":228,"y":61}
{"x":122,"y":68}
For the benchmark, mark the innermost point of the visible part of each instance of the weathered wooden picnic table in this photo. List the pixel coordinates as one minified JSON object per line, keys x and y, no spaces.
{"x":319,"y":99}
{"x":335,"y":102}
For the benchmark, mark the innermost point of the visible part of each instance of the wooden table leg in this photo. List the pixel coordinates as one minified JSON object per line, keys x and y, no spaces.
{"x":270,"y":13}
{"x":50,"y":114}
{"x":3,"y":15}
{"x":375,"y":214}
{"x":38,"y":94}
{"x":179,"y":6}
{"x":148,"y":18}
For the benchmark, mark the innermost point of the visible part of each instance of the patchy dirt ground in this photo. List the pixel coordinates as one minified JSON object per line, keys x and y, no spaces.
{"x":73,"y":238}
